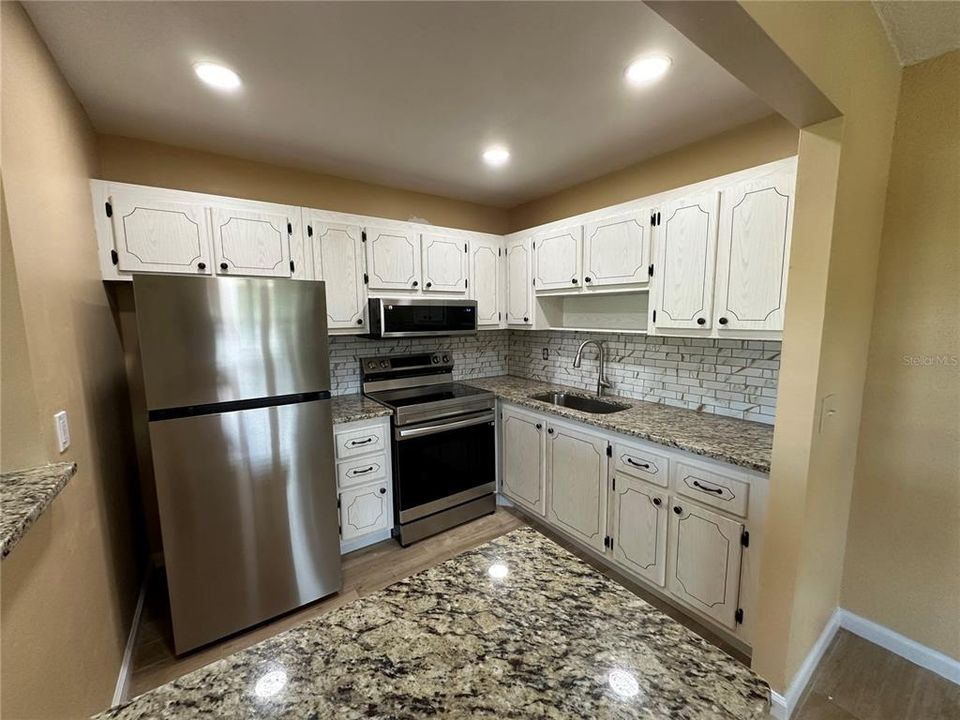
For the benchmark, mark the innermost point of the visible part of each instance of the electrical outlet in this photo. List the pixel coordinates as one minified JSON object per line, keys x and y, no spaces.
{"x":63,"y":430}
{"x":546,"y":354}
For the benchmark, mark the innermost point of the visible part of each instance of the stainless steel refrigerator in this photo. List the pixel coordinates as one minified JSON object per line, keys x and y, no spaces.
{"x":237,"y":382}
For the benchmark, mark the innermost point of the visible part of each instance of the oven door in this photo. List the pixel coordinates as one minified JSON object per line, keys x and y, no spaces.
{"x":442,"y":464}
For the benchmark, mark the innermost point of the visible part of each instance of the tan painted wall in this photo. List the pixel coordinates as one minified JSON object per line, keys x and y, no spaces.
{"x":69,"y":587}
{"x":843,"y":49}
{"x":766,"y":140}
{"x":149,"y":163}
{"x":902,"y":567}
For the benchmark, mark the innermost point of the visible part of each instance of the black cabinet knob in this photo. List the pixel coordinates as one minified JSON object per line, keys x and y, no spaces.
{"x":359,"y":321}
{"x":429,"y":284}
{"x":677,"y":509}
{"x":658,"y":502}
{"x":223,"y":266}
{"x":574,"y":281}
{"x":723,"y":321}
{"x":701,"y":321}
{"x":526,"y":319}
{"x":415,"y":283}
{"x":588,"y":279}
{"x":383,"y":491}
{"x":201,"y":266}
{"x":550,"y":430}
{"x":539,"y":426}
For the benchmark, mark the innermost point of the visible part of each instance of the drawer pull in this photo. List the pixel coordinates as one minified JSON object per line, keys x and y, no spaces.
{"x":364,"y":471}
{"x":354,"y":443}
{"x":645,"y":466}
{"x":718,"y":491}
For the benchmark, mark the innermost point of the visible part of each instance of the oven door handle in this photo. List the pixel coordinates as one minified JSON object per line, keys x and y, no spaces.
{"x":421,"y":430}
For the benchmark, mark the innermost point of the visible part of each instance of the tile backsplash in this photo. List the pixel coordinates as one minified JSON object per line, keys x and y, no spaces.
{"x":737,"y":378}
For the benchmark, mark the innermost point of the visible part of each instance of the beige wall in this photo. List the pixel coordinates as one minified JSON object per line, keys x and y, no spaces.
{"x":69,"y":587}
{"x":771,"y":138}
{"x":902,"y":566}
{"x":149,"y":163}
{"x":843,"y":49}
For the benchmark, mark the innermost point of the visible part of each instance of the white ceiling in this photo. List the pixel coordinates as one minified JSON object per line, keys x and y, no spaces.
{"x":404,"y":94}
{"x":920,"y":29}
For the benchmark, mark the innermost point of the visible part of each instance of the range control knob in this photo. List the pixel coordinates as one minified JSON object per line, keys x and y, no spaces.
{"x":384,"y":364}
{"x":372,"y":364}
{"x":446,"y":359}
{"x":435,"y":359}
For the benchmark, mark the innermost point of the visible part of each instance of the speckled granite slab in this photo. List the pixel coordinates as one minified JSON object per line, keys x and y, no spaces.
{"x":739,"y":442}
{"x":25,"y":495}
{"x":349,"y":408}
{"x":546,"y":637}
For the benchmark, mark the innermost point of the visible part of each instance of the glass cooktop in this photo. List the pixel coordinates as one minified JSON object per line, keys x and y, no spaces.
{"x":427,"y":394}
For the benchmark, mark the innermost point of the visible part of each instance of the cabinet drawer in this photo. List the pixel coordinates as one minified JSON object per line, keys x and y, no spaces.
{"x":361,"y":470}
{"x":640,"y":462}
{"x":711,"y":488}
{"x":364,"y":509}
{"x":360,"y":441}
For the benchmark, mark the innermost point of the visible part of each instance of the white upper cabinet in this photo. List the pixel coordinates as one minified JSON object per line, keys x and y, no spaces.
{"x":639,"y":527}
{"x":248,"y":242}
{"x":153,"y":232}
{"x":338,"y":261}
{"x":616,"y":250}
{"x":686,"y":241}
{"x":558,"y":258}
{"x":705,"y":569}
{"x":393,"y":259}
{"x":444,"y":264}
{"x":519,"y":288}
{"x":753,"y":252}
{"x":486,"y":279}
{"x":522,"y":446}
{"x":576,"y":470}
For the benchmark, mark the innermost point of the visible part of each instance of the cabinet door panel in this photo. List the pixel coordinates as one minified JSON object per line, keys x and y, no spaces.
{"x":756,"y":217}
{"x":393,"y":259}
{"x":251,"y":243}
{"x":485,"y":280}
{"x":364,"y":510}
{"x":576,"y":470}
{"x":444,"y":264}
{"x":558,"y":259}
{"x":522,"y":478}
{"x":615,"y":250}
{"x":157,"y":235}
{"x":519,"y":295}
{"x":705,"y":560}
{"x":686,"y":250}
{"x":338,"y":261}
{"x":640,"y":527}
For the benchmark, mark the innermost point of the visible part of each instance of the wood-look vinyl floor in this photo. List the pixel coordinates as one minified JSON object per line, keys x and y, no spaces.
{"x":856,"y":680}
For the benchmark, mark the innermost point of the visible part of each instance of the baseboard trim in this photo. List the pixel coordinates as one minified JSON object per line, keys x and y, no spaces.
{"x":927,"y":658}
{"x":123,"y":679}
{"x":782,"y":706}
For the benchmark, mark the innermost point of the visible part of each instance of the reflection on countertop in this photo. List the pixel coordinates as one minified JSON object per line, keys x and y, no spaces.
{"x":25,"y":495}
{"x":739,"y":442}
{"x":516,"y":628}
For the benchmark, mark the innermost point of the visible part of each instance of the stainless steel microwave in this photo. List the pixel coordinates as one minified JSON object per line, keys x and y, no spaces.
{"x":421,"y":317}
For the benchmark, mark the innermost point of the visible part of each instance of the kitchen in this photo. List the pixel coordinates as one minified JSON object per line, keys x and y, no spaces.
{"x":367,"y":434}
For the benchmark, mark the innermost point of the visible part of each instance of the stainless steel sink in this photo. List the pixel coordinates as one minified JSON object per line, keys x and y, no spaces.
{"x":578,"y":402}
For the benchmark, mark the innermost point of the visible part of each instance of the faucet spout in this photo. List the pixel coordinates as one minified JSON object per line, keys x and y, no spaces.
{"x":602,"y":381}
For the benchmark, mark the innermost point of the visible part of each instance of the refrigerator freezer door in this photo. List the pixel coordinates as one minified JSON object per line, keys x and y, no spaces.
{"x":212,"y":340}
{"x":248,"y":514}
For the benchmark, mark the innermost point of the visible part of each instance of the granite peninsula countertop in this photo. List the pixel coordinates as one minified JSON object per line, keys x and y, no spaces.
{"x":350,"y":408}
{"x":25,"y":495}
{"x":547,"y":637}
{"x":739,"y":442}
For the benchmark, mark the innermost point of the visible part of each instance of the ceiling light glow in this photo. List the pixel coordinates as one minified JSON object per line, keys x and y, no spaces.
{"x":217,"y":76}
{"x":498,"y":571}
{"x":646,"y":70}
{"x":623,"y":683}
{"x":496,"y":156}
{"x":270,"y":684}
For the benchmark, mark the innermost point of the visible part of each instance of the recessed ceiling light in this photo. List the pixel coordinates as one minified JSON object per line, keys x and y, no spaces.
{"x":646,"y":70}
{"x":496,"y":156}
{"x":217,"y":76}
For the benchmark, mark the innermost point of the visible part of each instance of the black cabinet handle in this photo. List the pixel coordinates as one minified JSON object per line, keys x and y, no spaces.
{"x":588,"y":279}
{"x":354,"y":443}
{"x":574,"y":281}
{"x":539,"y":426}
{"x":723,"y":321}
{"x":201,"y":266}
{"x":429,"y":284}
{"x":677,"y":509}
{"x":658,"y":502}
{"x":223,"y":266}
{"x":550,"y":430}
{"x":718,"y":491}
{"x":415,"y":283}
{"x":364,"y":471}
{"x":645,"y":466}
{"x":701,"y":321}
{"x":383,"y":491}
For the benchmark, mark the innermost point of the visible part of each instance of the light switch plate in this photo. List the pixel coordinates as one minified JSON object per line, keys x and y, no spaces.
{"x":63,"y":430}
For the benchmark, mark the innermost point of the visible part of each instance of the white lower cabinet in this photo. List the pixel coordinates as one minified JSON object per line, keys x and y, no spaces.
{"x":522,"y":448}
{"x":364,"y":510}
{"x":576,"y":472}
{"x":638,"y":527}
{"x":705,"y":566}
{"x":364,"y":482}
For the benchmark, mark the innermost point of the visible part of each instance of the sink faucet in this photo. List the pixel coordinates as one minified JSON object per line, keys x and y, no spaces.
{"x":602,"y":382}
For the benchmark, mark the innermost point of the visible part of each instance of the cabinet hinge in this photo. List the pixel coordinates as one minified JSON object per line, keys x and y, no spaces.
{"x":738,"y":616}
{"x":745,"y":538}
{"x":363,"y":236}
{"x":534,"y":246}
{"x":499,"y":316}
{"x":653,"y":219}
{"x":289,"y":228}
{"x":534,"y":282}
{"x":464,"y":247}
{"x":114,"y":258}
{"x":614,"y":488}
{"x":654,"y":315}
{"x":609,"y":450}
{"x":293,"y":267}
{"x":366,"y":279}
{"x":466,"y":283}
{"x":499,"y":252}
{"x":650,"y":270}
{"x":658,"y":218}
{"x":309,"y":230}
{"x":108,"y":207}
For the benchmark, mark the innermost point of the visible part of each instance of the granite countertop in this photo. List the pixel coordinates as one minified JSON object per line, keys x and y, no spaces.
{"x":739,"y":442}
{"x":25,"y":495}
{"x":552,"y":638}
{"x":349,"y":408}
